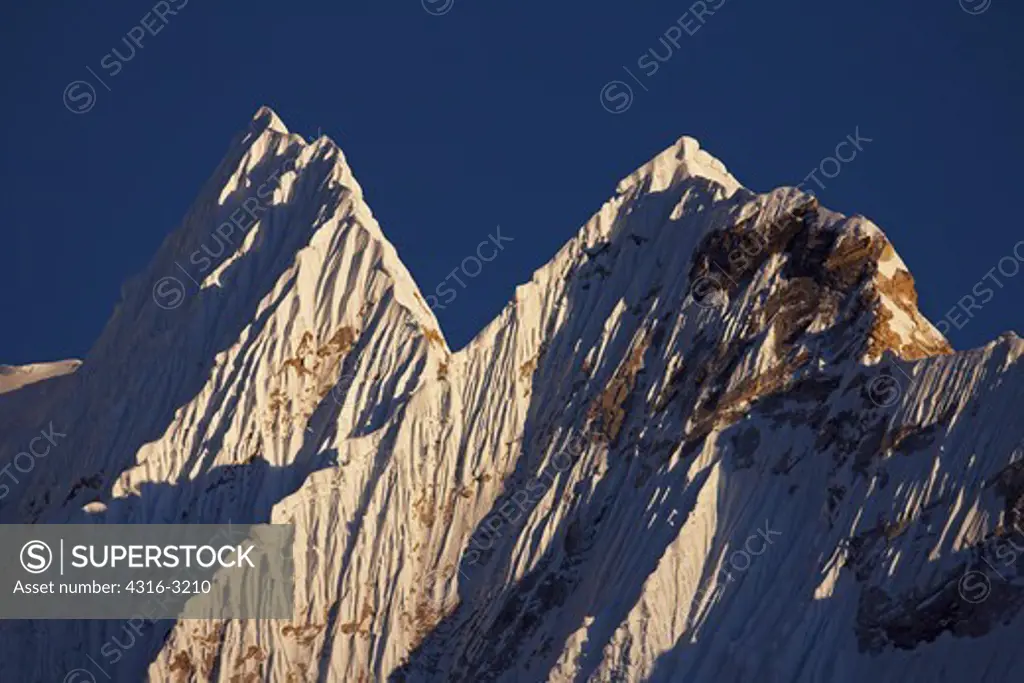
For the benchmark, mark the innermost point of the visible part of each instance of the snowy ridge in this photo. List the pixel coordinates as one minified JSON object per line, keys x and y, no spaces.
{"x":703,"y":377}
{"x":17,"y":376}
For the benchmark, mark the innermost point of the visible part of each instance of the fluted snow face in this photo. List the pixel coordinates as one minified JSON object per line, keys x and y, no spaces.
{"x":712,"y":440}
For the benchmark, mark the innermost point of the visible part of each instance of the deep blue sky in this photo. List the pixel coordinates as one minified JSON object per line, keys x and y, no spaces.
{"x":491,"y":114}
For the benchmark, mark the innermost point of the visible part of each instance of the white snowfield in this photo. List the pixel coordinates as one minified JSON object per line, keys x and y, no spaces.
{"x":712,"y":440}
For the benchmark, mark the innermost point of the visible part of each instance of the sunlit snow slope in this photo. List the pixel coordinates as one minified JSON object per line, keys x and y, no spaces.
{"x":712,"y":439}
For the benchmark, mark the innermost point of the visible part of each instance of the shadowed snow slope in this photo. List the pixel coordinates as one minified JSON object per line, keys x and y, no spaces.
{"x":712,"y":439}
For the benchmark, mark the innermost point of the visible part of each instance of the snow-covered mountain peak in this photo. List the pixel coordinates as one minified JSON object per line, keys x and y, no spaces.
{"x":278,"y":200}
{"x":685,"y":159}
{"x":266,"y":118}
{"x":713,"y":418}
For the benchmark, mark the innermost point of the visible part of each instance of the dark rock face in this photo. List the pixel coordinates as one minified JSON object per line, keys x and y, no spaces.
{"x":968,"y":602}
